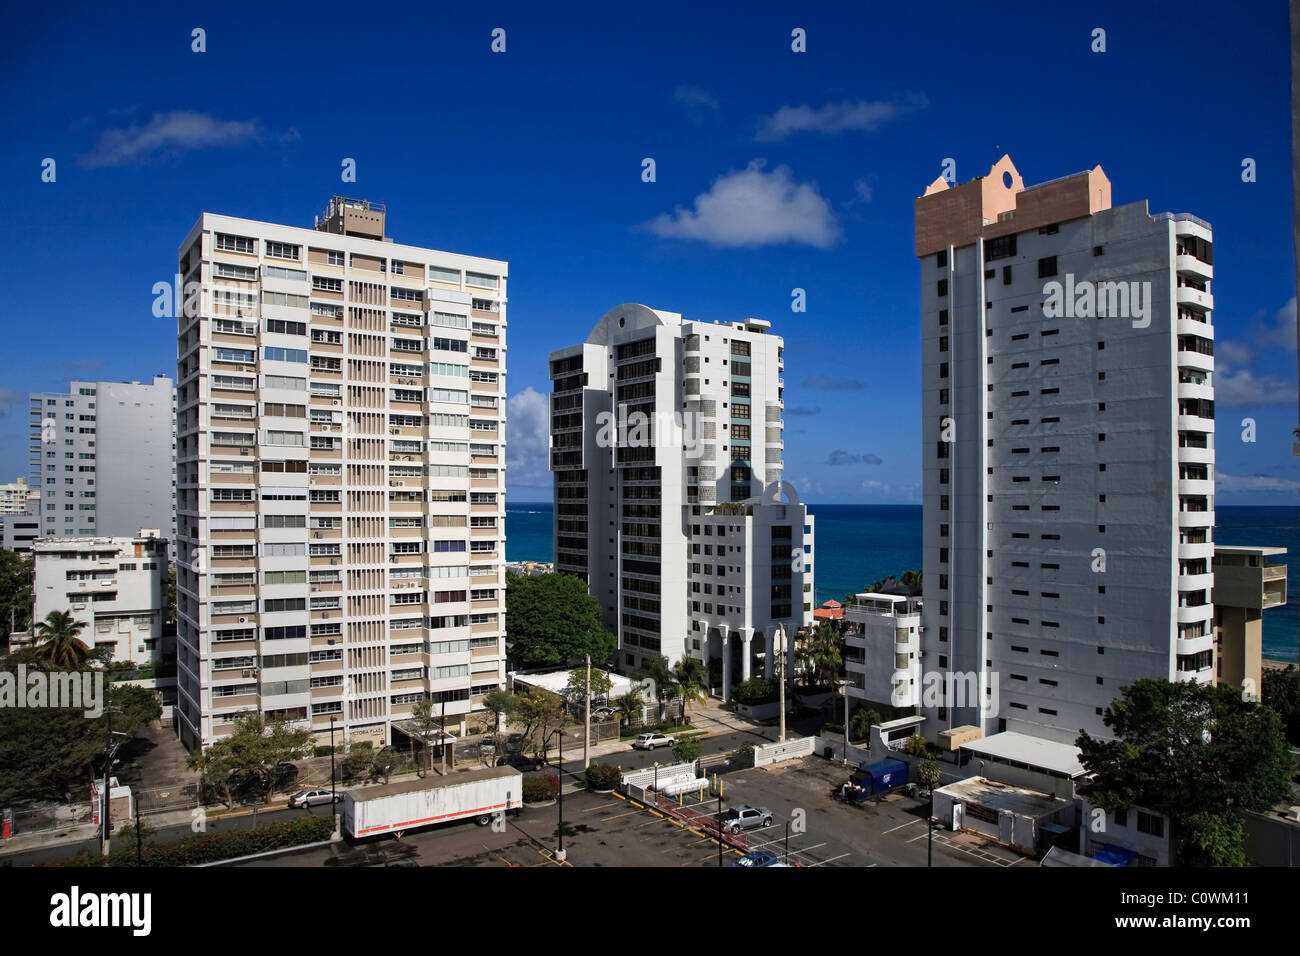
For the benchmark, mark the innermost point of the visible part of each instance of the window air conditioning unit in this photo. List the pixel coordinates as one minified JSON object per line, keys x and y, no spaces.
{"x":246,"y":672}
{"x":245,"y":451}
{"x":78,"y":607}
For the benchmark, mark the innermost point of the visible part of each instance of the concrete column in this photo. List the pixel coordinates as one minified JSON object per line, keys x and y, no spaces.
{"x":789,"y":656}
{"x":726,"y":666}
{"x":746,"y":636}
{"x":769,"y":657}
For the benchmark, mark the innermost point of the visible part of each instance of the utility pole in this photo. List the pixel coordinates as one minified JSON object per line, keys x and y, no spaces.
{"x":781,"y":662}
{"x":334,"y":795}
{"x":139,"y":840}
{"x":586,"y":726}
{"x":107,"y":795}
{"x":442,"y":736}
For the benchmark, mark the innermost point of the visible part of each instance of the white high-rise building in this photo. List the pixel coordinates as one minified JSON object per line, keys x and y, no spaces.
{"x":1068,"y":450}
{"x":103,"y":455}
{"x":667,"y":455}
{"x":341,"y":476}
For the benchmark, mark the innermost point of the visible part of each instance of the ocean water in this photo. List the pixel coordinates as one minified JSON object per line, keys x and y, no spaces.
{"x":857,"y":544}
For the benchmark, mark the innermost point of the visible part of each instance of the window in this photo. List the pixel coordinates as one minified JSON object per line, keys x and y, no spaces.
{"x":283,"y":250}
{"x":1150,"y":824}
{"x":943,"y":287}
{"x":1047,"y":267}
{"x":289,"y":328}
{"x":941,"y":258}
{"x":326,"y":284}
{"x":1000,"y":248}
{"x":277,"y":354}
{"x":228,"y":243}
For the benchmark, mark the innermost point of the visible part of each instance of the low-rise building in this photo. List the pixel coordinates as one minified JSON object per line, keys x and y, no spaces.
{"x":883,"y":649}
{"x":117,"y":587}
{"x":1245,"y":585}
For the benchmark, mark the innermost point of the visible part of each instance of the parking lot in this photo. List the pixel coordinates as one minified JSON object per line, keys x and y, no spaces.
{"x":890,"y":831}
{"x":808,"y":829}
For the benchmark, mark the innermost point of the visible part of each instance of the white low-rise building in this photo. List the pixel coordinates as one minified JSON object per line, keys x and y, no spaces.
{"x":117,"y":587}
{"x":883,"y":649}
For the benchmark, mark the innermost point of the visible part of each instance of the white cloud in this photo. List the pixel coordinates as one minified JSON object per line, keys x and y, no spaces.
{"x":695,"y":99}
{"x":167,"y":134}
{"x":806,"y":486}
{"x":752,"y":208}
{"x":1243,"y":483}
{"x":856,"y":115}
{"x":1281,"y":334}
{"x":528,"y":439}
{"x":1234,"y":389}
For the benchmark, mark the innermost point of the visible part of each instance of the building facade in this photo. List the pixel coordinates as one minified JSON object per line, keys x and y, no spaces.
{"x":14,"y":496}
{"x":882,"y":650}
{"x":1068,"y":436}
{"x":116,"y":586}
{"x":667,"y":457}
{"x":103,"y":456}
{"x":341,"y":476}
{"x":1246,"y":584}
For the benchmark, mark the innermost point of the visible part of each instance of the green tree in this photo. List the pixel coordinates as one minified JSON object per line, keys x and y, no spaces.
{"x":171,"y":595}
{"x":1281,"y":692}
{"x":1213,"y":839}
{"x":928,"y":774}
{"x":863,"y":719}
{"x":257,"y":748}
{"x":551,"y":621}
{"x":822,"y":653}
{"x":687,"y":750}
{"x":537,"y":713}
{"x":1185,"y":749}
{"x":15,"y":592}
{"x":500,"y":704}
{"x":690,"y":679}
{"x":917,"y":746}
{"x":601,"y":684}
{"x":426,"y":721}
{"x":57,"y":641}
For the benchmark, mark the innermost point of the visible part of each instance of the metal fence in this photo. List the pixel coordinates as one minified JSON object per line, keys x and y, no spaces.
{"x":42,"y":817}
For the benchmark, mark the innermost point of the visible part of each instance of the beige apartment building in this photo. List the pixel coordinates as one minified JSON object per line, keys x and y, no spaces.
{"x":340,"y":476}
{"x":1246,"y":584}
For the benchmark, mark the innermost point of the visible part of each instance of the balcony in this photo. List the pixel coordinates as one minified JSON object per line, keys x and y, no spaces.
{"x":1196,"y":519}
{"x":1190,"y":298}
{"x":1200,"y":487}
{"x":1191,"y":266}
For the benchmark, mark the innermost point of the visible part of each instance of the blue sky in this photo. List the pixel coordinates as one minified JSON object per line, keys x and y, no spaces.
{"x":774,"y":170}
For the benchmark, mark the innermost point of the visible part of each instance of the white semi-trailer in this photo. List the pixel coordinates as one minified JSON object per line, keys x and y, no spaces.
{"x":396,"y":807}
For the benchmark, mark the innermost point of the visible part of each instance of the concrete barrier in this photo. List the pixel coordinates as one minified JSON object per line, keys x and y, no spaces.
{"x":790,"y":750}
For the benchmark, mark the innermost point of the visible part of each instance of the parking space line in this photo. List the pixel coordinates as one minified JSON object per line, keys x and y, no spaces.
{"x":899,"y":827}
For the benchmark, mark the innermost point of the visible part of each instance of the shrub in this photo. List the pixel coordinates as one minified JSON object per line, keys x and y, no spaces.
{"x":603,"y":776}
{"x":208,"y":848}
{"x":756,"y":690}
{"x":687,"y":750}
{"x":540,"y":787}
{"x":322,"y":751}
{"x":829,"y":730}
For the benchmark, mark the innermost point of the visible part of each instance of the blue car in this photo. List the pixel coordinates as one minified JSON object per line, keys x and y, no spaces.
{"x":757,"y":858}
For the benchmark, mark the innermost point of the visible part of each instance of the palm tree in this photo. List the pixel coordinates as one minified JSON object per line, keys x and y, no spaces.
{"x":59,"y":645}
{"x":657,"y":670}
{"x":630,"y":706}
{"x":823,"y":651}
{"x":691,"y":680}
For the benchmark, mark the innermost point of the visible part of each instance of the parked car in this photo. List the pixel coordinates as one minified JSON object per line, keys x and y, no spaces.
{"x":313,"y":798}
{"x":521,"y":762}
{"x":745,"y":817}
{"x":652,"y":742}
{"x":759,"y":858}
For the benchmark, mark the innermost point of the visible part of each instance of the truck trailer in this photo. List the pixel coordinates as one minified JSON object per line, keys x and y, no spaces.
{"x":395,"y":808}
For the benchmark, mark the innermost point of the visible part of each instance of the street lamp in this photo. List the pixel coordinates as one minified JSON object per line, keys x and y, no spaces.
{"x":844,"y":689}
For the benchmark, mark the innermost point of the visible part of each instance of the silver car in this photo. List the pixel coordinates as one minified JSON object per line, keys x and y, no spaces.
{"x":745,"y":817}
{"x":313,"y":798}
{"x":652,"y":741}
